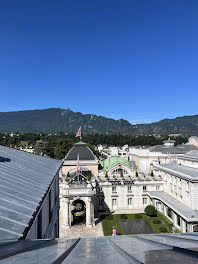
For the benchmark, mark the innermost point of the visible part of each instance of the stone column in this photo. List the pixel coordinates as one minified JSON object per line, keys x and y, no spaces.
{"x":88,"y":213}
{"x":183,"y":225}
{"x":174,"y":218}
{"x":65,"y":212}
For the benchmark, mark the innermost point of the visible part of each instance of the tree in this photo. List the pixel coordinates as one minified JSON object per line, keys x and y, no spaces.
{"x":62,"y":148}
{"x":152,"y":174}
{"x":89,"y":176}
{"x":67,"y":177}
{"x":150,"y":210}
{"x":106,"y":175}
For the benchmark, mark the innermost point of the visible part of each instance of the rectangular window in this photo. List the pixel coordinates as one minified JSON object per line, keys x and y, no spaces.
{"x":144,"y":188}
{"x":144,"y":200}
{"x":114,"y":203}
{"x":100,"y":202}
{"x":129,"y":201}
{"x":129,"y":189}
{"x":114,"y":189}
{"x":100,"y":189}
{"x":39,"y":225}
{"x":50,"y":211}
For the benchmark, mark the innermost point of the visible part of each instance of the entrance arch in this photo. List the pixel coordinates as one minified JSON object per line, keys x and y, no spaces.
{"x":78,"y":212}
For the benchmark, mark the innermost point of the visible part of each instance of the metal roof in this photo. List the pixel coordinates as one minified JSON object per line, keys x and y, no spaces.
{"x":24,"y":180}
{"x":82,"y":150}
{"x":179,"y":149}
{"x":177,"y":206}
{"x":132,"y":249}
{"x":179,"y":170}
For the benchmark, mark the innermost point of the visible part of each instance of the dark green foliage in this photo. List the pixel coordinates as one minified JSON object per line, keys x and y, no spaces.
{"x":156,"y":221}
{"x":150,"y":210}
{"x":163,"y":229}
{"x":109,"y":217}
{"x":67,"y":177}
{"x":123,"y":216}
{"x":152,"y":174}
{"x":89,"y":176}
{"x":137,"y":216}
{"x":106,"y":175}
{"x":62,"y":148}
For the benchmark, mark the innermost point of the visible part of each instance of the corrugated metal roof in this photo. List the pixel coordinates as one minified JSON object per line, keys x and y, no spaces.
{"x":132,"y":249}
{"x":24,"y":180}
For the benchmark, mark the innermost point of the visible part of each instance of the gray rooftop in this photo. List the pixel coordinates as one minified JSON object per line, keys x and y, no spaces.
{"x":24,"y":180}
{"x":192,"y":155}
{"x":180,"y":171}
{"x":179,"y":149}
{"x":82,"y":150}
{"x":132,"y":249}
{"x":175,"y":205}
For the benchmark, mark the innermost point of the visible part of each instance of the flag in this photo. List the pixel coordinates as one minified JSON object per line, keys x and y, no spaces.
{"x":78,"y":164}
{"x":79,"y":133}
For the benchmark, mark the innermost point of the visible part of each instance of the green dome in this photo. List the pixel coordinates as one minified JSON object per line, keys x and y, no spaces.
{"x":115,"y":160}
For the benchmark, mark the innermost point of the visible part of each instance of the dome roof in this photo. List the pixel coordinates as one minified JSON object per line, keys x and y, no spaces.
{"x":84,"y":152}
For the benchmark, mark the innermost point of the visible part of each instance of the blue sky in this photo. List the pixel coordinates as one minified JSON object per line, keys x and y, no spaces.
{"x":130,"y":59}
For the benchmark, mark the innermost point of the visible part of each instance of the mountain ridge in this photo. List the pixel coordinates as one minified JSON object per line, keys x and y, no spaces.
{"x":53,"y":120}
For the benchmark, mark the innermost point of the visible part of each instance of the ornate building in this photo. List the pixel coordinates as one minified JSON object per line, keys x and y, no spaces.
{"x":88,"y":187}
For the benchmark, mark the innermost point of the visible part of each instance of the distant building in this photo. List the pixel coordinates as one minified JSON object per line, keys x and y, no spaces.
{"x":29,"y":195}
{"x":159,"y":154}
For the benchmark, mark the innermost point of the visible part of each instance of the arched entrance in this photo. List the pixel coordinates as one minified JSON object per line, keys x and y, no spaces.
{"x":78,"y":212}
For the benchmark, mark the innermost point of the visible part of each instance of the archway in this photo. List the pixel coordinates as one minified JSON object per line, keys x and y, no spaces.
{"x":78,"y":212}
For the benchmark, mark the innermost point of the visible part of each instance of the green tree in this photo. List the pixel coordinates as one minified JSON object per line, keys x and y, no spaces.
{"x":67,"y":177}
{"x":150,"y":210}
{"x":106,"y":175}
{"x":89,"y":176}
{"x":62,"y":148}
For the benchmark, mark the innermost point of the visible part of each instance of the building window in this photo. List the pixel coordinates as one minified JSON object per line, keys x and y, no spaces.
{"x":114,"y":189}
{"x":129,"y":201}
{"x":100,"y":202}
{"x":114,"y":203}
{"x":39,"y":225}
{"x":157,"y":188}
{"x":144,"y":188}
{"x":129,"y":189}
{"x":144,"y":200}
{"x":50,"y":205}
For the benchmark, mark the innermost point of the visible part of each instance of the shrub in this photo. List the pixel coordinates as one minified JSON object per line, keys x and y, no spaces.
{"x":123,"y":216}
{"x":150,"y":210}
{"x":157,"y":221}
{"x":109,"y":217}
{"x":138,"y":216}
{"x":163,"y":229}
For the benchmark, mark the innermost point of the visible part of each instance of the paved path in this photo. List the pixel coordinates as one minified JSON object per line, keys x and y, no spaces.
{"x":80,"y":230}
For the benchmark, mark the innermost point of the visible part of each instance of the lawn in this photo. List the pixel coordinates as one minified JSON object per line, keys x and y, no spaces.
{"x":108,"y":224}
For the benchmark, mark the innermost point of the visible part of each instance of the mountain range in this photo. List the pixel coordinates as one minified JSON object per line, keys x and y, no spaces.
{"x":54,"y":120}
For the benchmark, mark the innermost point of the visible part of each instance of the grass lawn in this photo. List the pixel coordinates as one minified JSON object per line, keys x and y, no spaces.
{"x":109,"y":224}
